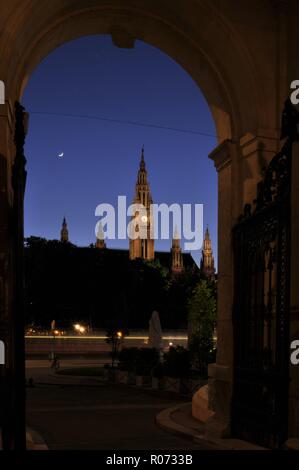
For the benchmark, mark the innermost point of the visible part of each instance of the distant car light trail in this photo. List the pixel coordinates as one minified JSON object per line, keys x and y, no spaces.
{"x":102,"y":337}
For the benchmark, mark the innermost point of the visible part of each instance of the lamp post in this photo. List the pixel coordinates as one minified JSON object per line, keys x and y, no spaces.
{"x":53,"y":324}
{"x":115,"y":338}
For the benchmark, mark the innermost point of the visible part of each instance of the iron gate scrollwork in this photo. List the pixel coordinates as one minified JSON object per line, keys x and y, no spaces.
{"x":261,"y":245}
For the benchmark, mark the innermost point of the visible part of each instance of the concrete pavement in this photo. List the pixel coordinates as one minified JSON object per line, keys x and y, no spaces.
{"x":85,"y":413}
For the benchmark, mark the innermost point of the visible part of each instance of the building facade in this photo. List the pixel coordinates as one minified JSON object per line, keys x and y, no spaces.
{"x":141,"y":242}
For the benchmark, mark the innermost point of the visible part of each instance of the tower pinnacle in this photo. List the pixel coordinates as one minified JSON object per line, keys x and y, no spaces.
{"x":207,"y":259}
{"x":64,"y":233}
{"x":100,"y":237}
{"x":142,"y":155}
{"x":177,"y":265}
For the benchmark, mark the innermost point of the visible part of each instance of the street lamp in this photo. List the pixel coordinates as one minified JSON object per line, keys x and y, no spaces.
{"x":79,"y":328}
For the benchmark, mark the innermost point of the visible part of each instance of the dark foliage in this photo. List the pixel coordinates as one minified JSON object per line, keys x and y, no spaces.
{"x":177,"y":362}
{"x":102,"y":288}
{"x":140,"y":360}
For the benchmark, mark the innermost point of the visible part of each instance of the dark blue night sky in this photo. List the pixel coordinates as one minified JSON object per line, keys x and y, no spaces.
{"x":91,"y":77}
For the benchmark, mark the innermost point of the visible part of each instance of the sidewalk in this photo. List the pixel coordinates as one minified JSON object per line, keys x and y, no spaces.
{"x":179,"y":420}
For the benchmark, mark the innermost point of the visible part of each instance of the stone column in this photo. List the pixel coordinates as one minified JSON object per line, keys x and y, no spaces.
{"x":239,"y":167}
{"x":6,"y":197}
{"x":294,"y":301}
{"x":6,"y":272}
{"x":12,"y":374}
{"x":220,"y":374}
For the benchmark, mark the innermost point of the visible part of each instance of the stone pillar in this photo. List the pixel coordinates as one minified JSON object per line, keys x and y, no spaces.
{"x":239,"y":167}
{"x":294,"y":301}
{"x":6,"y":198}
{"x":6,"y":274}
{"x":220,"y":374}
{"x":12,"y":374}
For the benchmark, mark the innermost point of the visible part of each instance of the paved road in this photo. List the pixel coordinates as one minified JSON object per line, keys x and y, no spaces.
{"x":76,"y":413}
{"x":66,"y":362}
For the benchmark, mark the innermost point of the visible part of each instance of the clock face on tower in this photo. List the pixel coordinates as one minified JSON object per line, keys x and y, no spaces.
{"x":144,"y":218}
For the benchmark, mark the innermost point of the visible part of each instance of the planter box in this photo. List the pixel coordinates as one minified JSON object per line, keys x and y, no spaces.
{"x":110,"y":375}
{"x":125,"y":377}
{"x":172,"y":384}
{"x":143,"y":380}
{"x":131,"y":378}
{"x":155,"y":383}
{"x":158,"y":383}
{"x":185,"y":387}
{"x":121,"y":376}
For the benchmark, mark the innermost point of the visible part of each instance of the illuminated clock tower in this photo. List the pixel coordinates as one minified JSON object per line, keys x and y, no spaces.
{"x":142,"y":244}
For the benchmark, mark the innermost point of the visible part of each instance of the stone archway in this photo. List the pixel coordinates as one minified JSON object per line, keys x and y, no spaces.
{"x":210,"y":50}
{"x":237,"y":58}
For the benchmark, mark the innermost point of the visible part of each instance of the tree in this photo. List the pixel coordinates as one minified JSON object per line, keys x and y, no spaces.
{"x":177,"y":362}
{"x":115,"y":338}
{"x":179,"y":290}
{"x":201,"y":325}
{"x":202,"y":309}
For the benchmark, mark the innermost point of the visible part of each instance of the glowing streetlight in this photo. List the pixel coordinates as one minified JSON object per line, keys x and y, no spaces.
{"x":77,"y":327}
{"x":119,"y":334}
{"x":82,"y":329}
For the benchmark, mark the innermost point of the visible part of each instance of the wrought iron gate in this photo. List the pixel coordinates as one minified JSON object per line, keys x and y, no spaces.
{"x":261,"y":243}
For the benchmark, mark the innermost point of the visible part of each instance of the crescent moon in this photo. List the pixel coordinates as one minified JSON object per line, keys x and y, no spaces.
{"x":60,"y":154}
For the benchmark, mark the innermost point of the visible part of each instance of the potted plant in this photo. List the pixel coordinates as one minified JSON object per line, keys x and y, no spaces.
{"x":157,"y":373}
{"x":177,"y":369}
{"x":127,"y":365}
{"x":147,"y":358}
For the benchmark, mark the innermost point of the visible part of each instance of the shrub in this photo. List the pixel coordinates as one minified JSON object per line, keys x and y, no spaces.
{"x":177,"y":362}
{"x":128,"y":359}
{"x":147,"y":359}
{"x":158,"y":370}
{"x":202,"y":353}
{"x":139,"y":360}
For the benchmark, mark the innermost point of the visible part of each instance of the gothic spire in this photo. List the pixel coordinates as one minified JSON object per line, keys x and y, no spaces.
{"x":207,"y":259}
{"x":142,"y":161}
{"x":176,"y":238}
{"x":177,"y":264}
{"x":142,"y":247}
{"x":64,"y":233}
{"x":100,"y":237}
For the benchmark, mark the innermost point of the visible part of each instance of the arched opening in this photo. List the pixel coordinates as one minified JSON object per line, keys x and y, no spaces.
{"x":127,"y":25}
{"x":99,"y":162}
